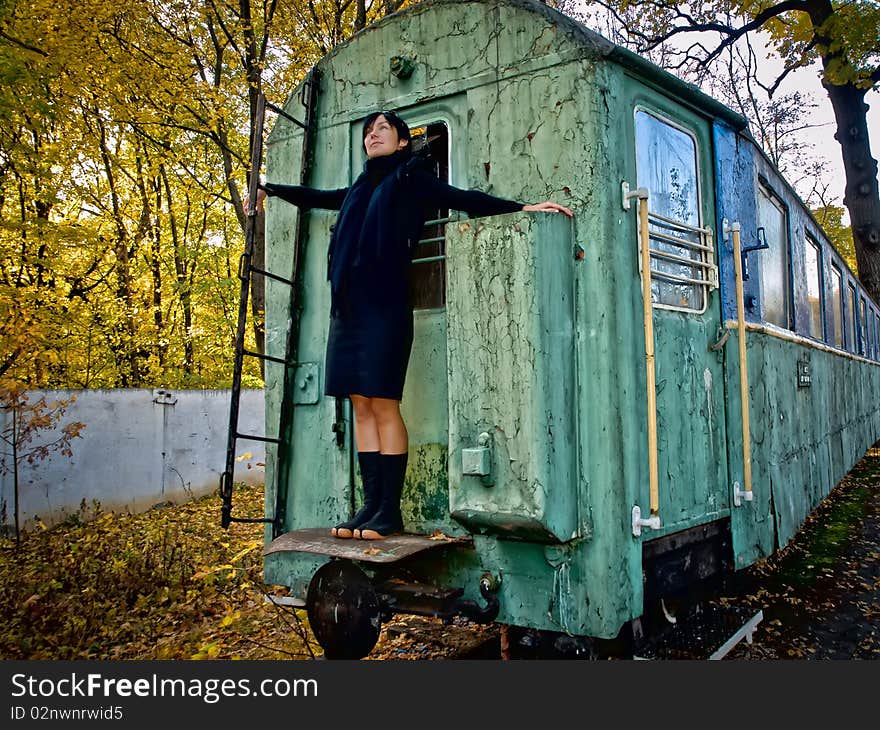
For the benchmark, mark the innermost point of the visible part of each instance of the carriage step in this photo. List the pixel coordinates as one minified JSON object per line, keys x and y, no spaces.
{"x":707,"y":632}
{"x":319,"y":541}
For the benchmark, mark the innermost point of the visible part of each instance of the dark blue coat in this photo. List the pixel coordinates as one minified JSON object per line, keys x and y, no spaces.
{"x":381,"y":218}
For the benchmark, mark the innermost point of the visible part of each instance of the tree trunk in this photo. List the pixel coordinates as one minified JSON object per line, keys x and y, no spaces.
{"x":180,"y":269}
{"x":861,"y":197}
{"x":253,"y":67}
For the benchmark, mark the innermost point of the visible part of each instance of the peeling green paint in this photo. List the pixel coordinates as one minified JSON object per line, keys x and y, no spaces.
{"x":538,"y":108}
{"x":512,"y":373}
{"x":804,"y":440}
{"x":530,"y":114}
{"x":425,"y":503}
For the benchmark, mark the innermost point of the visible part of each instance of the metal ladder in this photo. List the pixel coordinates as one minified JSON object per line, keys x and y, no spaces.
{"x":246,"y":271}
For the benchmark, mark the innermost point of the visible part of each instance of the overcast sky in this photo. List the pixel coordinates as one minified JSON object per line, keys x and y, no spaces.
{"x":822,"y":137}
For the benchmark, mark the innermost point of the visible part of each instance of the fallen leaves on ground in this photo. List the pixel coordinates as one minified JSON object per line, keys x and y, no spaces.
{"x":166,"y":584}
{"x":172,"y":584}
{"x":819,"y":595}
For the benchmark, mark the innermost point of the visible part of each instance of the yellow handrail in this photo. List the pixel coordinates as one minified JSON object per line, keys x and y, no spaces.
{"x":644,"y":238}
{"x":743,"y":365}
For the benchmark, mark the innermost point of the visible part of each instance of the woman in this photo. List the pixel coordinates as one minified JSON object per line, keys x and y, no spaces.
{"x":371,"y":325}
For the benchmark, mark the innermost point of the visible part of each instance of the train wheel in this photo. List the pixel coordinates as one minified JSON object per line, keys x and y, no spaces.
{"x":343,"y":610}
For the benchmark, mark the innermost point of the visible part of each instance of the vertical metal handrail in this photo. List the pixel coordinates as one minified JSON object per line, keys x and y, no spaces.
{"x":739,"y":495}
{"x":644,"y":243}
{"x":309,"y":98}
{"x":650,"y":373}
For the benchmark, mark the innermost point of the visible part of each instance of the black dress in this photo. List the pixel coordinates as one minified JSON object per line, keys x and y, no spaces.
{"x":380,"y":221}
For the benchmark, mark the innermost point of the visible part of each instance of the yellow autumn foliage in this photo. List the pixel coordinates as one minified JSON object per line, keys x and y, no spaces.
{"x":124,"y":132}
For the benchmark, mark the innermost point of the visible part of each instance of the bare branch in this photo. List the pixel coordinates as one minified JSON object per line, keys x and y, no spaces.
{"x":22,"y":44}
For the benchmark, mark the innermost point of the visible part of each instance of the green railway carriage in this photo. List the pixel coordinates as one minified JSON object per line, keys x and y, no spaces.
{"x":576,"y":447}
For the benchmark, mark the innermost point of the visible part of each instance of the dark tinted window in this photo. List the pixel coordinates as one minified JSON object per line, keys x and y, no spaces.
{"x":428,"y":272}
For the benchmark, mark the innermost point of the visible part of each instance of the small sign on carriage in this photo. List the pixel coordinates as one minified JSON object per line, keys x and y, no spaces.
{"x":804,"y":378}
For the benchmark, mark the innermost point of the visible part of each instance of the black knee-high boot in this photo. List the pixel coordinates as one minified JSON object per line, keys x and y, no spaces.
{"x":371,"y":477}
{"x":387,"y":520}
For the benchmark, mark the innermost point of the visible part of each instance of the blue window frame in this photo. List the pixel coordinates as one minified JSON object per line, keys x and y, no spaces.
{"x":835,"y":298}
{"x":852,"y":343}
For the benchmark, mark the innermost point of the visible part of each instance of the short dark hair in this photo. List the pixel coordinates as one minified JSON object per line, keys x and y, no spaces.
{"x":394,"y":120}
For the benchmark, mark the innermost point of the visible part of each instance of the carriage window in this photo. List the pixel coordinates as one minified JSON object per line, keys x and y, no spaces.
{"x":863,"y":329}
{"x":836,"y":297}
{"x":666,"y":164}
{"x":774,"y":262}
{"x":877,"y":337}
{"x":428,"y":272}
{"x":852,"y":331}
{"x":872,"y":334}
{"x":869,"y":334}
{"x":814,"y":289}
{"x":871,"y":350}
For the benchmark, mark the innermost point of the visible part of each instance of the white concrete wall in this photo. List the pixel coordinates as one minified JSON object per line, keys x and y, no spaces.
{"x":139,"y":448}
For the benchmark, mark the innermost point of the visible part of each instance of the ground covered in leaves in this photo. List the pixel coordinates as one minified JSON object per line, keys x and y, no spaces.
{"x":172,"y":584}
{"x":820,"y":596}
{"x":166,"y":584}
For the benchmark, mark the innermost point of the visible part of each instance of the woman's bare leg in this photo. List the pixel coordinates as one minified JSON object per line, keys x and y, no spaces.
{"x":366,"y":436}
{"x":394,"y":441}
{"x":366,"y":430}
{"x":393,"y":437}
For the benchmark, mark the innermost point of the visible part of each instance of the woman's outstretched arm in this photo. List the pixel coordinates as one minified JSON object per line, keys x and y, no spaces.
{"x":302,"y":197}
{"x":548,"y":206}
{"x":474,"y":202}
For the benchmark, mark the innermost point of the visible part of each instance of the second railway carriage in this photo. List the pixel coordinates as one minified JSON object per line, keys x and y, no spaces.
{"x":578,"y":391}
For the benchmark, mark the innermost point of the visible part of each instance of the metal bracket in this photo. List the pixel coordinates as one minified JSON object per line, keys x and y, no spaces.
{"x":164,"y":397}
{"x":762,"y":244}
{"x":627,"y":195}
{"x":478,"y":461}
{"x":638,"y":522}
{"x":305,"y":390}
{"x":727,"y":228}
{"x":740,"y":495}
{"x":723,"y":337}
